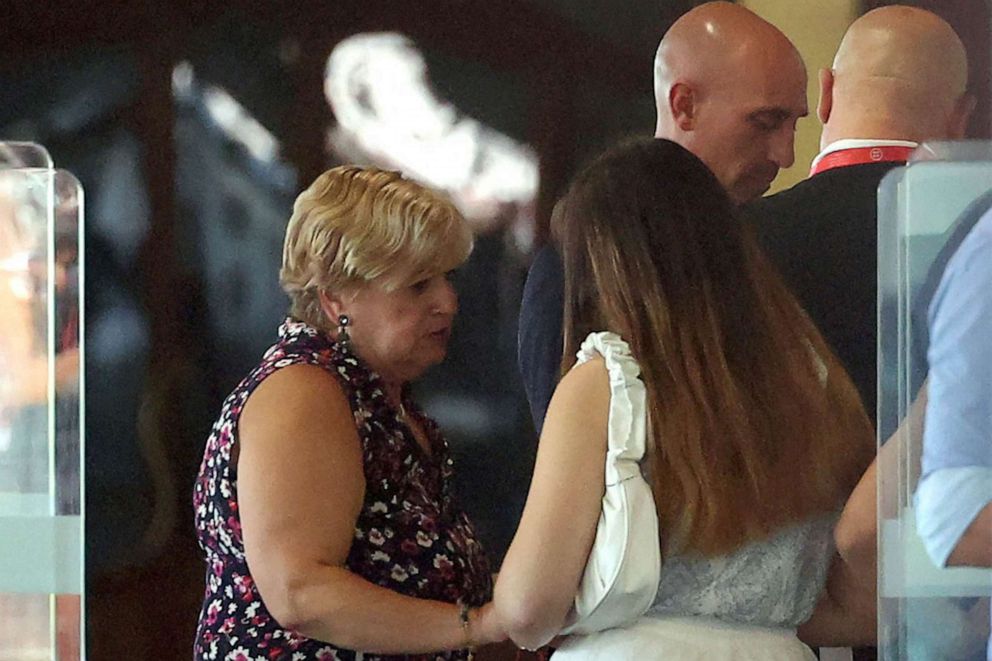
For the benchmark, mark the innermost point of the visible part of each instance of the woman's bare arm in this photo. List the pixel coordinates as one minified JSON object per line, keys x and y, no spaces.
{"x":300,"y":490}
{"x":846,"y":613}
{"x":543,"y":567}
{"x":856,"y":533}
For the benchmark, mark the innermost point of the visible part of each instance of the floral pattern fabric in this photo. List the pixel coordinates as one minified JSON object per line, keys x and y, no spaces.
{"x":410,"y":536}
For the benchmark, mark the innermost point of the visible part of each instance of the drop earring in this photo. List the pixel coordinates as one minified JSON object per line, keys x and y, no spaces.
{"x":343,"y":322}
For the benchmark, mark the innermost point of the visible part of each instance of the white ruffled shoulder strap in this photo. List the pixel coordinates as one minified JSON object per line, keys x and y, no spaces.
{"x":624,"y":565}
{"x":628,"y":416}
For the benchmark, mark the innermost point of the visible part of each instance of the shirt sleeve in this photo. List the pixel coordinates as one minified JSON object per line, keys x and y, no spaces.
{"x":956,"y":482}
{"x":539,"y":332}
{"x":947,"y":501}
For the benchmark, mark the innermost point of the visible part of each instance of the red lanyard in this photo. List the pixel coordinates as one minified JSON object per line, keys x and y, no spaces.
{"x":859,"y":155}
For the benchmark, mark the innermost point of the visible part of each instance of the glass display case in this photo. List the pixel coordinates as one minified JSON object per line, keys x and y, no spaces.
{"x":926,"y":613}
{"x":24,"y":155}
{"x":41,"y":412}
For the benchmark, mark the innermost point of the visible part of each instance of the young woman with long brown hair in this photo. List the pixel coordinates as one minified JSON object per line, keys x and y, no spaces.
{"x":755,"y":435}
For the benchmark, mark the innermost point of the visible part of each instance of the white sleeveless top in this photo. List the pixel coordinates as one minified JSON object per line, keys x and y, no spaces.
{"x":771,"y":584}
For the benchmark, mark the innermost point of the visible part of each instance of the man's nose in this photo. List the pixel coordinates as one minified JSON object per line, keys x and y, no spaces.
{"x":783,"y":147}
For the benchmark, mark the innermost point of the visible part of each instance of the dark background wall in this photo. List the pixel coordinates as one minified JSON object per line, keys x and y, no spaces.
{"x":184,"y":228}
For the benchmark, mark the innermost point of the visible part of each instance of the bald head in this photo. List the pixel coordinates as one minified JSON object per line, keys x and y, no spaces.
{"x":714,"y":43}
{"x":729,"y":87}
{"x":899,"y":73}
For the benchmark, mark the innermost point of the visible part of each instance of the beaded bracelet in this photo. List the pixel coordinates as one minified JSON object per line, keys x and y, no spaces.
{"x":464,"y":613}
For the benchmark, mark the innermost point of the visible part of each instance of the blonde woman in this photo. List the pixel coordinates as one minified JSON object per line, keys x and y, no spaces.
{"x":323,"y":503}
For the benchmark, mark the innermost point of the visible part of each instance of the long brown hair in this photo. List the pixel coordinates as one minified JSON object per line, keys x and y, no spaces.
{"x":754,"y":423}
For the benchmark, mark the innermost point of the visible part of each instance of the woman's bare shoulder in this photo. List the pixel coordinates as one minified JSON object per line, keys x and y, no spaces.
{"x":580,"y":404}
{"x":589,"y":381}
{"x":298,"y":400}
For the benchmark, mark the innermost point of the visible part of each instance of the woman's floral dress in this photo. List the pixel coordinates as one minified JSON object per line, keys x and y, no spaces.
{"x":410,"y":536}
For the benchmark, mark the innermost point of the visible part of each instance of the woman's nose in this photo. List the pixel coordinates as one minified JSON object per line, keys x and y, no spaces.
{"x":446,"y":301}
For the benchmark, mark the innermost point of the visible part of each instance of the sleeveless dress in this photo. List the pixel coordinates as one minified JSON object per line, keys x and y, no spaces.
{"x":743,"y":606}
{"x":410,"y":536}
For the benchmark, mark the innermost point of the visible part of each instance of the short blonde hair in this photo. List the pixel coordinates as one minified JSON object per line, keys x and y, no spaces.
{"x":354,"y":225}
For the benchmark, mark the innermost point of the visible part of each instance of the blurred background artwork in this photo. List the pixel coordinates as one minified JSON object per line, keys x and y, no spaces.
{"x":192,"y":127}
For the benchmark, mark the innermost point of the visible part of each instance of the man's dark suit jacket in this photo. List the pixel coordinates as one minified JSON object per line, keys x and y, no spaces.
{"x":539,"y":340}
{"x":822,"y":234}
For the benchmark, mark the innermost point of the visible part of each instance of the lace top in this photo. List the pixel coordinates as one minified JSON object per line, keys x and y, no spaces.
{"x":774,"y":582}
{"x":410,"y":536}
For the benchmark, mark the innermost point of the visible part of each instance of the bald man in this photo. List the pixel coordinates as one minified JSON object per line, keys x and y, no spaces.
{"x":898,"y":79}
{"x":729,"y":87}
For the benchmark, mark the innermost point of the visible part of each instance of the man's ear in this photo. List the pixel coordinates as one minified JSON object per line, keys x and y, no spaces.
{"x":957,"y":125}
{"x":682,"y":103}
{"x":826,"y":103}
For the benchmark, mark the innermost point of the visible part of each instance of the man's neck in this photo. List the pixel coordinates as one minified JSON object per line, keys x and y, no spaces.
{"x":856,"y":142}
{"x":880,"y":129}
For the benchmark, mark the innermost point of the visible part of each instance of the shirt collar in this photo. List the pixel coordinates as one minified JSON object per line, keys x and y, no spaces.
{"x":856,"y":143}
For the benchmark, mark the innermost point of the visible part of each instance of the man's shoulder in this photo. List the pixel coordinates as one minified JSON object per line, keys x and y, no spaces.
{"x":970,"y":257}
{"x":854,"y":181}
{"x":546,"y":275}
{"x":837,"y":193}
{"x":547,"y":261}
{"x":788,"y":210}
{"x":544,"y":289}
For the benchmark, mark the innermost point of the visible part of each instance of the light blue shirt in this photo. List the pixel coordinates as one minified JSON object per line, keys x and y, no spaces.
{"x":956,"y":482}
